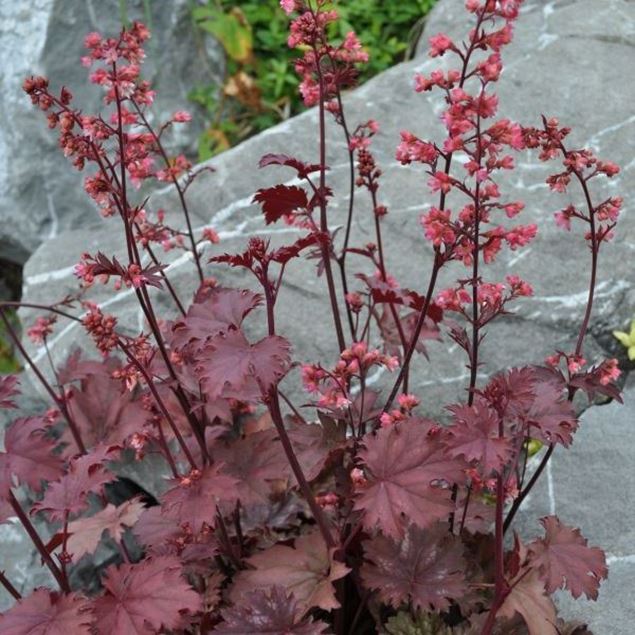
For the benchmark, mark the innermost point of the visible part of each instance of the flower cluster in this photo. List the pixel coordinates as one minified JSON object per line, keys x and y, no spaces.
{"x":333,"y":386}
{"x":583,"y":166}
{"x":324,"y":68}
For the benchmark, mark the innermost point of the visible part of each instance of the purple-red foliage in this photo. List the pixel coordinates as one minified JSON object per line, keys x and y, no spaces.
{"x":331,"y":515}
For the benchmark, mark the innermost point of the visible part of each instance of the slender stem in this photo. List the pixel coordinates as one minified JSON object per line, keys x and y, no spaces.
{"x":518,"y":501}
{"x":43,"y":307}
{"x":150,"y":383}
{"x":326,"y":249}
{"x":273,"y":403}
{"x":417,"y":330}
{"x":580,"y":342}
{"x":4,"y":581}
{"x":59,"y":401}
{"x":166,"y":278}
{"x":305,"y":488}
{"x":179,"y":189}
{"x":37,"y":541}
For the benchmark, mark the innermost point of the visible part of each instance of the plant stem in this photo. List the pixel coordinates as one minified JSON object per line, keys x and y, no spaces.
{"x":580,"y":341}
{"x":37,"y":541}
{"x":273,"y":403}
{"x":417,"y":331}
{"x":179,"y":189}
{"x":59,"y":400}
{"x":326,"y":249}
{"x":9,"y":587}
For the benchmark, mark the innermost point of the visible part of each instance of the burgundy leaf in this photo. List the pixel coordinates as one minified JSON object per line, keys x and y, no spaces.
{"x":229,"y":363}
{"x":474,"y":435}
{"x":280,"y":200}
{"x":307,"y":570}
{"x":593,"y":383}
{"x":409,"y":478}
{"x":425,"y":568}
{"x":274,"y":612}
{"x":155,"y":528}
{"x":103,"y":412}
{"x":145,"y":597}
{"x":85,"y":474}
{"x":551,"y":417}
{"x":28,"y":458}
{"x":565,"y":561}
{"x":46,"y":612}
{"x":314,"y":443}
{"x":528,"y":599}
{"x":282,"y":255}
{"x":511,"y":393}
{"x":219,"y":311}
{"x":8,"y":389}
{"x":257,"y":462}
{"x":303,"y":169}
{"x":194,"y":499}
{"x":86,"y":533}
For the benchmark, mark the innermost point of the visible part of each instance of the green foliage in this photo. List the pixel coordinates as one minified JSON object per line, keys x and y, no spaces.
{"x":423,"y":624}
{"x":8,"y":362}
{"x":627,"y":340}
{"x":261,"y":87}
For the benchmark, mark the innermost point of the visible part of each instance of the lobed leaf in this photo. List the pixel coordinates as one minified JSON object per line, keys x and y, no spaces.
{"x":410,"y":478}
{"x":564,"y":560}
{"x":145,"y":597}
{"x":426,"y":568}
{"x":46,"y":612}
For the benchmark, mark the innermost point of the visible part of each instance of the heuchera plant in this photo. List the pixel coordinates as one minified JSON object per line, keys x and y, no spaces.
{"x":358,"y":514}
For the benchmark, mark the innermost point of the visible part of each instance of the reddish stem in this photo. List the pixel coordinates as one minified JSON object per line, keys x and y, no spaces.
{"x":37,"y":541}
{"x":326,"y":248}
{"x":179,"y":189}
{"x":4,"y":581}
{"x":59,"y":400}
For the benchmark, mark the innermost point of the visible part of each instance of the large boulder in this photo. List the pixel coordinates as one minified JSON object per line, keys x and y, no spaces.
{"x":554,"y":47}
{"x":40,"y":197}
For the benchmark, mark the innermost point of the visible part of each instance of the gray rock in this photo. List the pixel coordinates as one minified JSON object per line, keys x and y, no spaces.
{"x":39,"y":195}
{"x":542,"y":76}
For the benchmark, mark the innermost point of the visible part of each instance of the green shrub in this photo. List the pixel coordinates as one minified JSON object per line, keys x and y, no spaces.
{"x":260,"y":86}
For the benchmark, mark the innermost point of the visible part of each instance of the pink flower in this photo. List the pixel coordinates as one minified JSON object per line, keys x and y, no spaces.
{"x":288,"y":6}
{"x":453,"y":299}
{"x":408,"y":402}
{"x":440,"y":181}
{"x":42,"y":328}
{"x":521,"y":235}
{"x":210,"y":235}
{"x":439,"y":44}
{"x":609,"y":371}
{"x":181,"y":116}
{"x":92,"y":40}
{"x":438,"y":227}
{"x":412,"y":148}
{"x":608,"y":167}
{"x":519,"y":287}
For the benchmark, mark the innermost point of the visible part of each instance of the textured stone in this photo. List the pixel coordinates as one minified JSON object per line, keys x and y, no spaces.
{"x":543,"y":70}
{"x":39,"y":195}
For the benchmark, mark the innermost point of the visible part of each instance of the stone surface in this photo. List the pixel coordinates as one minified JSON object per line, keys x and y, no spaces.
{"x":39,"y":195}
{"x":567,"y":59}
{"x":544,"y":65}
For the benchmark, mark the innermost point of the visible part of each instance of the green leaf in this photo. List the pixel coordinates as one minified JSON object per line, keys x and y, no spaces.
{"x":231,"y":29}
